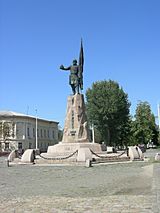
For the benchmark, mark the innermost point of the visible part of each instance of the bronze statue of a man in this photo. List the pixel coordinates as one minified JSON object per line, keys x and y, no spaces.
{"x":75,"y":77}
{"x":76,"y":72}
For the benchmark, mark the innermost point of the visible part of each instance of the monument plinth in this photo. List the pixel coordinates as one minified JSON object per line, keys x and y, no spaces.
{"x":76,"y":130}
{"x":76,"y":126}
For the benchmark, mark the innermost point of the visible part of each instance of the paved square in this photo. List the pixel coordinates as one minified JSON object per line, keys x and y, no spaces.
{"x":126,"y":187}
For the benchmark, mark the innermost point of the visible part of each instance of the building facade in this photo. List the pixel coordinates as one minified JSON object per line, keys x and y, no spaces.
{"x":21,"y":132}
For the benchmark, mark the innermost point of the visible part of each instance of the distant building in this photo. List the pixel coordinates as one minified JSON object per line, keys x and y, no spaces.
{"x":18,"y":131}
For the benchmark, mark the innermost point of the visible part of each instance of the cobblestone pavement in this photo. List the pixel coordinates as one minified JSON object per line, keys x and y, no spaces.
{"x":115,"y":188}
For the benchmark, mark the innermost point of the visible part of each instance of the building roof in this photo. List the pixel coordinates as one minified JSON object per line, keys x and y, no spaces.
{"x":10,"y":113}
{"x":15,"y":114}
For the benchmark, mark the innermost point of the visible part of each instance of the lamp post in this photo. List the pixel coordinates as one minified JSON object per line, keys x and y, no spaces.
{"x":93,"y":134}
{"x":159,"y":116}
{"x":36,"y":131}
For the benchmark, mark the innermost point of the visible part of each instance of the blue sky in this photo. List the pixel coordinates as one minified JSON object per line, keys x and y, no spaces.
{"x":121,"y":41}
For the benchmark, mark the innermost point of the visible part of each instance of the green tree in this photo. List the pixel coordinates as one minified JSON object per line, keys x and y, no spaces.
{"x":144,"y":127}
{"x":97,"y":135}
{"x":125,"y":135}
{"x":108,"y":109}
{"x":158,"y":143}
{"x":60,"y":133}
{"x":6,"y":131}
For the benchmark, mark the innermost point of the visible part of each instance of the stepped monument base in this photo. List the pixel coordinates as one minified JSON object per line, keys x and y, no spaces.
{"x":76,"y":131}
{"x":66,"y":148}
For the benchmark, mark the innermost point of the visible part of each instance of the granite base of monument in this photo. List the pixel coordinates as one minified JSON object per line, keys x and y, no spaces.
{"x":76,"y":132}
{"x":65,"y":148}
{"x":71,"y":152}
{"x":76,"y":125}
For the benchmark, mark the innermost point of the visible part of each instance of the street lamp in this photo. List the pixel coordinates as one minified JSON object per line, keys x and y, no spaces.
{"x":159,"y":116}
{"x":93,"y":134}
{"x":36,"y":132}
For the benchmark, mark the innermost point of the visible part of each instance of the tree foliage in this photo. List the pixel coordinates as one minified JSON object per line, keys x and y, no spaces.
{"x":60,"y":133}
{"x":108,"y":109}
{"x":6,"y":130}
{"x":144,"y":127}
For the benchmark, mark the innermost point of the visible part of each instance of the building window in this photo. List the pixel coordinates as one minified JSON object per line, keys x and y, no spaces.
{"x":44,"y":133}
{"x":30,"y":145}
{"x":7,"y":129}
{"x":17,"y":132}
{"x":38,"y":133}
{"x":33,"y":132}
{"x":53,"y":134}
{"x":28,"y":131}
{"x":41,"y":133}
{"x":19,"y":145}
{"x":6,"y":146}
{"x":48,"y":133}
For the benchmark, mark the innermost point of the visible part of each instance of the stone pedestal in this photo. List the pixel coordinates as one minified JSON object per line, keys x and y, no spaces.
{"x":84,"y":154}
{"x":28,"y":156}
{"x":12,"y":156}
{"x":135,"y":152}
{"x":66,"y":148}
{"x":157,"y":157}
{"x":76,"y":127}
{"x":76,"y":131}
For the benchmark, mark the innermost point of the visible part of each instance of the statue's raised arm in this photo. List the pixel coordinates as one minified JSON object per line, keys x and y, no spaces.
{"x":64,"y":68}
